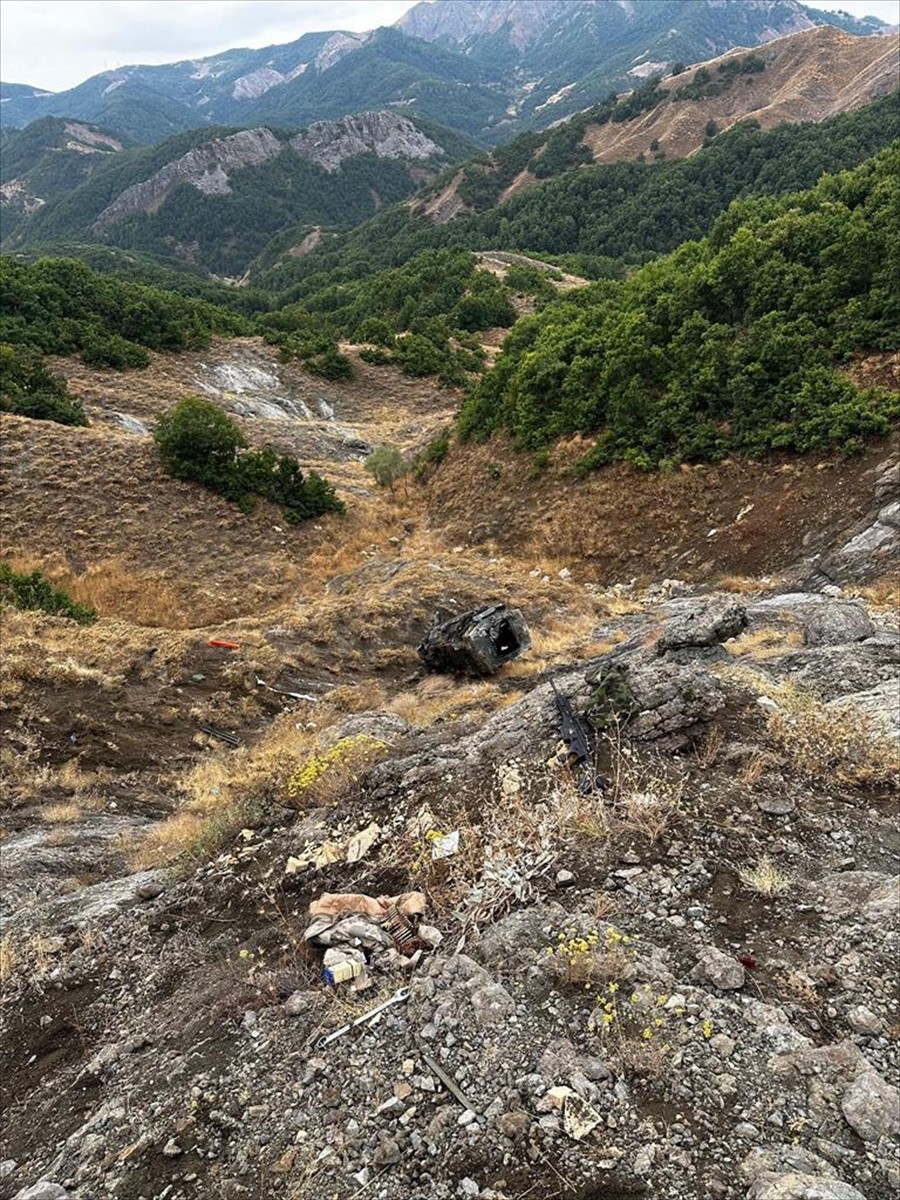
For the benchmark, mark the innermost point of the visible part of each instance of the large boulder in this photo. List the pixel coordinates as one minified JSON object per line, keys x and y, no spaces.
{"x":703,"y":626}
{"x":836,"y":623}
{"x":871,"y":1107}
{"x":665,"y":702}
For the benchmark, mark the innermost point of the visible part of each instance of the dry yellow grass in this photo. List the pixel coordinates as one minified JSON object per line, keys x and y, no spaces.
{"x":9,"y":958}
{"x":61,"y":813}
{"x":765,"y":878}
{"x":440,"y":698}
{"x":763,"y":643}
{"x":225,"y":790}
{"x":883,"y":593}
{"x":741,"y":584}
{"x":831,"y":742}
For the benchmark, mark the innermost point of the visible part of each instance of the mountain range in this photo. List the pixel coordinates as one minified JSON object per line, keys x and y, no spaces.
{"x":226,"y":201}
{"x":484,"y":68}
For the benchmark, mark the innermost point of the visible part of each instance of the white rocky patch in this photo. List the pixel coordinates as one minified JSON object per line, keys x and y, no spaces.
{"x":92,"y":137}
{"x":645,"y":70}
{"x":556,"y":97}
{"x":335,"y":48}
{"x":251,"y":86}
{"x":251,"y":391}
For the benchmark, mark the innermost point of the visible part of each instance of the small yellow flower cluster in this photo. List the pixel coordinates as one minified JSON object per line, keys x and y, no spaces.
{"x":341,"y":755}
{"x":577,"y":955}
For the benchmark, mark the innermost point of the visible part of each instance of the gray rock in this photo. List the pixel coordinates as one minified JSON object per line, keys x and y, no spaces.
{"x":384,"y":134}
{"x":42,"y":1191}
{"x":492,"y":1004}
{"x":296,"y":1004}
{"x":781,"y":1160}
{"x":871,"y":1107}
{"x":836,"y":623}
{"x":881,"y":704}
{"x":664,"y":702}
{"x":711,"y":623}
{"x":797,"y":1186}
{"x":871,"y":895}
{"x":205,"y":168}
{"x":720,"y":970}
{"x":863,"y":1020}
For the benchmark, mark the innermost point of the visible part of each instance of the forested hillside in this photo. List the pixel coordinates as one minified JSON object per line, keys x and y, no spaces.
{"x":216,"y":199}
{"x":613,"y":211}
{"x":60,"y":306}
{"x":728,"y":344}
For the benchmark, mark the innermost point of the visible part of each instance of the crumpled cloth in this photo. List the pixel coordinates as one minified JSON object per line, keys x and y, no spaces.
{"x":344,"y":904}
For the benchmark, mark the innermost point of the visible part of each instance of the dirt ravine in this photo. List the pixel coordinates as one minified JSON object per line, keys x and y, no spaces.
{"x":668,"y":971}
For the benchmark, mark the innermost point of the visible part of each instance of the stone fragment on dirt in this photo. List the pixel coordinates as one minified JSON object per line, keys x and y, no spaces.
{"x":872,"y":1107}
{"x":720,"y":970}
{"x":579,"y":1117}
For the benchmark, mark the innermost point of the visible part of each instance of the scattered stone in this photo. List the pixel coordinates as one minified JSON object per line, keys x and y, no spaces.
{"x":835,"y":623}
{"x":579,"y":1118}
{"x":720,"y":970}
{"x":296,"y":1004}
{"x":776,"y":804}
{"x":863,"y":1020}
{"x":149,"y":891}
{"x":872,"y":1107}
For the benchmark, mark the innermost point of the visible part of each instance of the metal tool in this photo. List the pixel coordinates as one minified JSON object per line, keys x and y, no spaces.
{"x":398,"y":997}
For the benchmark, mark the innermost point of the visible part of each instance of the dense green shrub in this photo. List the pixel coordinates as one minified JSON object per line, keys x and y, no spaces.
{"x":29,"y":389}
{"x":726,"y":344}
{"x":31,"y":590}
{"x":331,"y":365}
{"x":199,"y":442}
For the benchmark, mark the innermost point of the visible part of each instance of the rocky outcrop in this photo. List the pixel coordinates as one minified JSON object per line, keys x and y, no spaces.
{"x":205,"y":168}
{"x":326,"y":144}
{"x":703,"y":626}
{"x":387,"y":135}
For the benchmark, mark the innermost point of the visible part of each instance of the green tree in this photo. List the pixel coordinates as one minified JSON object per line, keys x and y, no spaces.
{"x":197,"y":441}
{"x":386,"y":465}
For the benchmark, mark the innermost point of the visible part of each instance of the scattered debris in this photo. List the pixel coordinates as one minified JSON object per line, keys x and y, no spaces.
{"x":444,"y":845}
{"x":361,"y":932}
{"x":231,"y":739}
{"x":284,"y":692}
{"x":398,"y":997}
{"x":451,"y":1086}
{"x":479,"y":642}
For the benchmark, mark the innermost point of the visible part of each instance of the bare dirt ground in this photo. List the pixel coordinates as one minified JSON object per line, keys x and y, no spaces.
{"x":161,"y":1009}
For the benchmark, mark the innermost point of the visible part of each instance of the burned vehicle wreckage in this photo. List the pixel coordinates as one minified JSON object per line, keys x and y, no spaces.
{"x":479,"y":642}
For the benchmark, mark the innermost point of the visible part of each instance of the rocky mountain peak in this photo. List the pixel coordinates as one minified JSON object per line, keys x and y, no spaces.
{"x":385,"y":134}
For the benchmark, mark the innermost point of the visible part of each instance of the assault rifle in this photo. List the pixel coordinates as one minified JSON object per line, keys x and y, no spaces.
{"x":574,"y":731}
